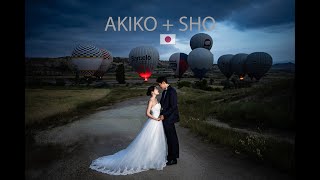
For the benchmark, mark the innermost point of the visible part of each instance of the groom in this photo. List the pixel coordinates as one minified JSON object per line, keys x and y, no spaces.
{"x":169,"y":115}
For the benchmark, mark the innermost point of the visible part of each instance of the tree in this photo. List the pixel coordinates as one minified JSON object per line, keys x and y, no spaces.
{"x":120,"y":74}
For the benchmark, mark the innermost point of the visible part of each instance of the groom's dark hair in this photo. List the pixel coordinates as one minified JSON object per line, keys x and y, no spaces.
{"x":162,"y":79}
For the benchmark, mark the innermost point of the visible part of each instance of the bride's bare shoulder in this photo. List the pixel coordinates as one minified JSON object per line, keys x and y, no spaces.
{"x":153,"y":101}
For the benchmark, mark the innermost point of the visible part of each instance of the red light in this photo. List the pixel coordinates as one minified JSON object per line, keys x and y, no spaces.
{"x":145,"y":75}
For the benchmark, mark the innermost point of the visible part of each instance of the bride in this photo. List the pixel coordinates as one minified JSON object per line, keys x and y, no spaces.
{"x":147,"y":151}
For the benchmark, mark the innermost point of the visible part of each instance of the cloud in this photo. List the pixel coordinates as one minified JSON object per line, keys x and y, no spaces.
{"x":54,"y":28}
{"x":264,"y":14}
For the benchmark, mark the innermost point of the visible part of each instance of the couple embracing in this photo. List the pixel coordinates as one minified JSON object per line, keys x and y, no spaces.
{"x":156,"y":145}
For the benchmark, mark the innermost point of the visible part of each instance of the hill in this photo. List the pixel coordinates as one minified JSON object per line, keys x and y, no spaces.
{"x":287,"y":67}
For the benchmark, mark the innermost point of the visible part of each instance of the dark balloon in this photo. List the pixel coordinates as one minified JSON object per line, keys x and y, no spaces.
{"x":201,"y":40}
{"x":258,"y":64}
{"x":238,"y":64}
{"x":224,"y":64}
{"x":200,"y":61}
{"x":179,"y":63}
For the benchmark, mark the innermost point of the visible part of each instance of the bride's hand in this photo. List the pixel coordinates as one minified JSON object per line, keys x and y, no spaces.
{"x":158,"y":119}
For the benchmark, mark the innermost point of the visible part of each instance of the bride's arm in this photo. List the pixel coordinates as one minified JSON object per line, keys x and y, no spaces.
{"x":148,"y":111}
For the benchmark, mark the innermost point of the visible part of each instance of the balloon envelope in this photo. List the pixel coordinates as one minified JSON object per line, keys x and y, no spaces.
{"x":106,"y":62}
{"x":200,"y":61}
{"x":238,"y":64}
{"x":179,"y":63}
{"x":87,"y":59}
{"x":224,"y":64}
{"x":258,"y":63}
{"x":201,"y":40}
{"x":144,"y":59}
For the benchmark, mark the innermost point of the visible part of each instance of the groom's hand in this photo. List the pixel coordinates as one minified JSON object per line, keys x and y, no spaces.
{"x":161,"y":117}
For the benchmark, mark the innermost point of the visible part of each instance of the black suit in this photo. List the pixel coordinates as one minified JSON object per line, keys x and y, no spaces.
{"x":169,"y":109}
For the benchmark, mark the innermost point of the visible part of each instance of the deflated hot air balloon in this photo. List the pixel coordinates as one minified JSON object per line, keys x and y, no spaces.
{"x":179,"y":63}
{"x":238,"y":65}
{"x":87,"y":59}
{"x":201,"y":40}
{"x":106,"y":62}
{"x":224,"y":64}
{"x":144,"y":59}
{"x":258,"y":64}
{"x":200,"y":61}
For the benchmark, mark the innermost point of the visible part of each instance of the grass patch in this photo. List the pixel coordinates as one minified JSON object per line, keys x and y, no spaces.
{"x":43,"y":103}
{"x":257,"y":114}
{"x":278,"y":154}
{"x":261,"y":106}
{"x":268,"y":106}
{"x":56,"y":106}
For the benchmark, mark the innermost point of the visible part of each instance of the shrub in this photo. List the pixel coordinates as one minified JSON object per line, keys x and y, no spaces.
{"x":203,"y":85}
{"x":60,"y":82}
{"x":120,"y":74}
{"x":254,"y":146}
{"x":181,"y":84}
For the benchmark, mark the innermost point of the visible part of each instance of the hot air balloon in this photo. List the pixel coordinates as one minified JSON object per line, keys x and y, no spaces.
{"x":178,"y":62}
{"x":200,"y":61}
{"x":106,"y":62}
{"x":238,"y":65}
{"x":224,"y":64}
{"x":87,"y":59}
{"x":258,"y":63}
{"x":201,"y":40}
{"x":144,"y":59}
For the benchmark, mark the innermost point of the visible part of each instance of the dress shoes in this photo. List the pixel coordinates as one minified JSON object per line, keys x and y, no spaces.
{"x":171,"y":162}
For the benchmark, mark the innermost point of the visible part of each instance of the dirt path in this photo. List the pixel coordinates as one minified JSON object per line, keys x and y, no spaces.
{"x":66,"y":152}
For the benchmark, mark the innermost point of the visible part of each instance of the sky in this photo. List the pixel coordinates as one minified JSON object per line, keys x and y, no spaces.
{"x":55,"y":28}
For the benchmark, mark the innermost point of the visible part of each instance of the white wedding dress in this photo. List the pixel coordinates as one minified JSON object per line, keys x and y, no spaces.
{"x":147,"y":151}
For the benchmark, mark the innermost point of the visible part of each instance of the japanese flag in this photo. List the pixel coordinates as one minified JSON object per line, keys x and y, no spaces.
{"x":167,"y":39}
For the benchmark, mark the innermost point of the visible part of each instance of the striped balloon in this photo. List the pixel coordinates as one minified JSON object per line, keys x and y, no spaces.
{"x":179,"y":63}
{"x":258,"y":64}
{"x":144,"y":59}
{"x":106,"y":62}
{"x":200,"y":61}
{"x":201,"y":40}
{"x":87,"y":59}
{"x":238,"y":64}
{"x":224,"y":64}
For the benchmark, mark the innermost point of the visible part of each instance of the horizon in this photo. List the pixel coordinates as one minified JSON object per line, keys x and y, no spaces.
{"x":278,"y":62}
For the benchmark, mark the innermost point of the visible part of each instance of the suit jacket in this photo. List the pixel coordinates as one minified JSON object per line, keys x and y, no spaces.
{"x":169,"y":106}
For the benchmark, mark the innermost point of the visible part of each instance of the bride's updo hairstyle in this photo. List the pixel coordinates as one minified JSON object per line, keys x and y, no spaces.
{"x":150,"y":89}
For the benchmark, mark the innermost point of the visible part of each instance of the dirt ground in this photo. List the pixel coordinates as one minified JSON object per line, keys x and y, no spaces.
{"x":66,"y":152}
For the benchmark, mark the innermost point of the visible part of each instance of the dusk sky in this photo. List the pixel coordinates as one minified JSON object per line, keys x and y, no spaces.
{"x":55,"y":28}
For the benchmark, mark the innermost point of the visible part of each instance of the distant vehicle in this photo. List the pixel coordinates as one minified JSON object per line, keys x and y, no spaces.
{"x":224,"y":64}
{"x":238,"y":65}
{"x":106,"y":62}
{"x":179,"y":63}
{"x":144,"y":59}
{"x":200,"y":61}
{"x":201,"y":40}
{"x":87,"y":59}
{"x":258,"y":64}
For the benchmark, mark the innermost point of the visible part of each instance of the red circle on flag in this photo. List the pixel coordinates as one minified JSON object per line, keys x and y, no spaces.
{"x":167,"y":39}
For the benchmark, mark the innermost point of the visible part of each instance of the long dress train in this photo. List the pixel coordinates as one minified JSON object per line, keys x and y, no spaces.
{"x":147,"y":151}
